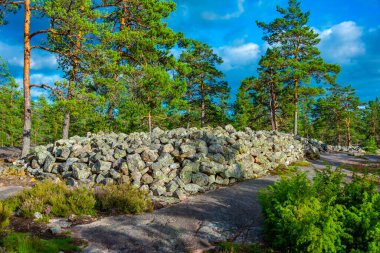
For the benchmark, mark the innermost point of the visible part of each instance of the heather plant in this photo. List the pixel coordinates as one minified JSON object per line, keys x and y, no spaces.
{"x":123,"y":198}
{"x":59,"y":200}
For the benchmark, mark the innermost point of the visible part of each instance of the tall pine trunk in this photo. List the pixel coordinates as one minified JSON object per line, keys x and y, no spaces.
{"x":26,"y":82}
{"x":110,"y":113}
{"x":188,"y":106}
{"x":72,"y":83}
{"x":273,"y":109}
{"x":338,"y":133}
{"x":348,"y":132}
{"x":203,"y":105}
{"x":295,"y":103}
{"x":66,"y":125}
{"x":150,"y":121}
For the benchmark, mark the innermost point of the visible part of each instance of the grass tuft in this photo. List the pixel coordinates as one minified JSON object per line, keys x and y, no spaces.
{"x":282,"y":169}
{"x":26,"y":243}
{"x":301,"y":164}
{"x":229,"y":247}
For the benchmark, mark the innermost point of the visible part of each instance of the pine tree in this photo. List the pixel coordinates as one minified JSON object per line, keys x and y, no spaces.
{"x":337,"y":115}
{"x":74,"y":28}
{"x":201,"y":77}
{"x":10,"y":108}
{"x":136,"y":50}
{"x":297,"y":44}
{"x":28,"y":6}
{"x":270,"y":82}
{"x":372,"y":120}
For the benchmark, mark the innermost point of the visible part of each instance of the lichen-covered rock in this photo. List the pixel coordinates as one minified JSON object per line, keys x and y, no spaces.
{"x":147,"y":179}
{"x":80,"y":171}
{"x":49,"y":163}
{"x":193,"y":188}
{"x":149,"y":155}
{"x":101,"y":166}
{"x":172,"y":163}
{"x":135,"y":162}
{"x":200,"y":179}
{"x":233,"y":171}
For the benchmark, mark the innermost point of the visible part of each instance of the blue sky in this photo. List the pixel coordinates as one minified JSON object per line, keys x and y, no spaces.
{"x":350,"y":33}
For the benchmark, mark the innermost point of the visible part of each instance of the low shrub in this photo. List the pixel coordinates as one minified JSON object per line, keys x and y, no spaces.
{"x":53,"y":200}
{"x":370,"y":145}
{"x":5,"y":213}
{"x":323,"y":215}
{"x":58,"y":200}
{"x":122,"y":198}
{"x":26,"y":243}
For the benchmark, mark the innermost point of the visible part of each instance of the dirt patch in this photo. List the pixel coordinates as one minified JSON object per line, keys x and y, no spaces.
{"x":345,"y":160}
{"x":23,"y":225}
{"x":9,"y":174}
{"x":360,"y":164}
{"x":9,"y":153}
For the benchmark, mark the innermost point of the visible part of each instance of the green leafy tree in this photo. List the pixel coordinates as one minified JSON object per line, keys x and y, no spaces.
{"x":297,"y":44}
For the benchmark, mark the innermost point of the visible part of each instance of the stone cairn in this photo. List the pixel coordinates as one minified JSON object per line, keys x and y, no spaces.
{"x":171,"y":163}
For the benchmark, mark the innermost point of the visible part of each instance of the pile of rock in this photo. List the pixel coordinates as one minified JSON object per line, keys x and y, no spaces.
{"x":167,"y":163}
{"x":314,"y":146}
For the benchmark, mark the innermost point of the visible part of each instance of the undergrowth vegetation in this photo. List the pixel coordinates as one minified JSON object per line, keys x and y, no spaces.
{"x":229,"y":247}
{"x":26,"y":243}
{"x":323,"y":215}
{"x":124,"y":198}
{"x":58,"y":200}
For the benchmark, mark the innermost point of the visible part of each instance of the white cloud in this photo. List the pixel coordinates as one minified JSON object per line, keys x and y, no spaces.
{"x":42,"y":61}
{"x":238,"y":56}
{"x":342,"y":42}
{"x":40,"y":79}
{"x":39,"y":59}
{"x":236,"y":14}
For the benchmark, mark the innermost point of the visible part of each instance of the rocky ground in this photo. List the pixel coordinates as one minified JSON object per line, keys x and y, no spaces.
{"x":230,"y":213}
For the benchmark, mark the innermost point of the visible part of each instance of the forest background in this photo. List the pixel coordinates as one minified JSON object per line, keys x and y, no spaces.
{"x":118,"y":66}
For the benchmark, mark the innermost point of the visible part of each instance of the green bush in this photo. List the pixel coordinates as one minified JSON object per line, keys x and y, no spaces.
{"x":26,"y":243}
{"x":370,"y":145}
{"x":53,"y":200}
{"x":5,"y":213}
{"x":323,"y":215}
{"x":122,"y":198}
